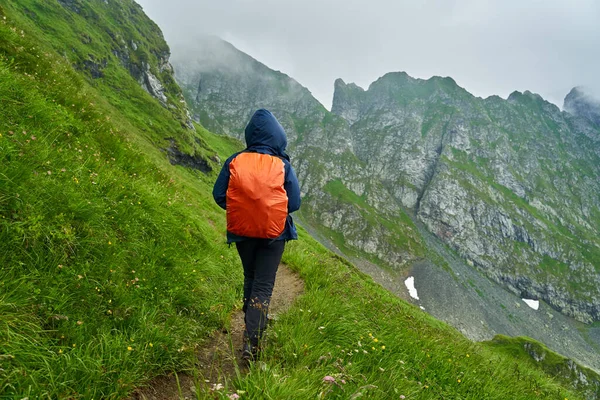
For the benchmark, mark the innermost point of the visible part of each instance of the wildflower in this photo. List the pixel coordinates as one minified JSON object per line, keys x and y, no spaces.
{"x":79,"y":322}
{"x":382,"y":347}
{"x":60,"y":351}
{"x":234,"y":396}
{"x":74,"y":345}
{"x":109,"y":242}
{"x":402,"y":396}
{"x":376,"y":340}
{"x":468,"y":356}
{"x":328,"y":379}
{"x":150,"y":344}
{"x":372,"y":348}
{"x":129,"y":348}
{"x":33,"y":137}
{"x":458,"y":380}
{"x":217,"y":386}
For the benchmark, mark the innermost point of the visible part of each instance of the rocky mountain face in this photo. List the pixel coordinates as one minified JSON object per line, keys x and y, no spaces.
{"x":511,"y":185}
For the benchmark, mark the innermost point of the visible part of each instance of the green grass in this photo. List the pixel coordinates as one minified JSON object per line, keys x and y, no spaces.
{"x":114,"y":267}
{"x":337,"y":189}
{"x":524,"y":349}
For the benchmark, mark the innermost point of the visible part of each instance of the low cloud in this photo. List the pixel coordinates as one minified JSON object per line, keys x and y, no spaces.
{"x":488,"y":47}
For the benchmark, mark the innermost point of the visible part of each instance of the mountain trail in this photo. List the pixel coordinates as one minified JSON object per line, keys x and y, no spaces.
{"x":219,"y":361}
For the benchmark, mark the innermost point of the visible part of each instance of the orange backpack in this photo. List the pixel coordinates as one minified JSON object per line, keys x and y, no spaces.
{"x":256,"y":199}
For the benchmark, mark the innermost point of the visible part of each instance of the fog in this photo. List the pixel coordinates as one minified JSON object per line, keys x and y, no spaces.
{"x":488,"y":47}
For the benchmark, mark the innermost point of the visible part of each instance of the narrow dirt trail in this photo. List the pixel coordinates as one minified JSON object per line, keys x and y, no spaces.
{"x":220,"y":358}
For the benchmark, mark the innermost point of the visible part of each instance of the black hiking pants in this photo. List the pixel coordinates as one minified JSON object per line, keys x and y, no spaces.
{"x":260,"y":258}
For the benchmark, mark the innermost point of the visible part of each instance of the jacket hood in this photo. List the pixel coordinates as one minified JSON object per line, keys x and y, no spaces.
{"x":264,"y":130}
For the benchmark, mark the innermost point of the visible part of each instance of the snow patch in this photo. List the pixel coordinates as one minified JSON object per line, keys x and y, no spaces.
{"x":410,"y":285}
{"x":535,"y":304}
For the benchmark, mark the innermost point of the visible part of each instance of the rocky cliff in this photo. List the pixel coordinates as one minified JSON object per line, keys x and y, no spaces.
{"x":511,"y":185}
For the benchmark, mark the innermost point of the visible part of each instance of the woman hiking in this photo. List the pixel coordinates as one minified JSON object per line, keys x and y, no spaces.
{"x":258,"y":188}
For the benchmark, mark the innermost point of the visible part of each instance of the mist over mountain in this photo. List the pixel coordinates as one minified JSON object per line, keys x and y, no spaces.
{"x":581,"y":102}
{"x":487,"y":47}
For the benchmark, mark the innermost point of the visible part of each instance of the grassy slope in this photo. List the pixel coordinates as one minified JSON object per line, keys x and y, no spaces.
{"x":110,"y":265}
{"x":113,"y":264}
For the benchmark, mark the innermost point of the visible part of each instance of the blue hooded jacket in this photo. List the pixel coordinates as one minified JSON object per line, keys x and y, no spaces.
{"x":264,"y":134}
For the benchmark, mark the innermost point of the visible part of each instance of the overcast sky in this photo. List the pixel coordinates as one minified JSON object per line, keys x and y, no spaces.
{"x":487,"y":46}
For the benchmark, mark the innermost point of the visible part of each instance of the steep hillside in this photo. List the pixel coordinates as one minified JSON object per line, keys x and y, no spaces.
{"x":511,"y":185}
{"x":113,"y":266}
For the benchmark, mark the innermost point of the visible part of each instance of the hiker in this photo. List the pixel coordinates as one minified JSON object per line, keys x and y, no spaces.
{"x":258,"y":188}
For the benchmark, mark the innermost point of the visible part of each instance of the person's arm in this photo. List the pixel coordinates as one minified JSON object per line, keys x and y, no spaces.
{"x":220,"y":189}
{"x":292,"y":188}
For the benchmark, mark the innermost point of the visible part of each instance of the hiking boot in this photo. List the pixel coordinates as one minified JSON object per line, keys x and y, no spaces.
{"x":249,"y":352}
